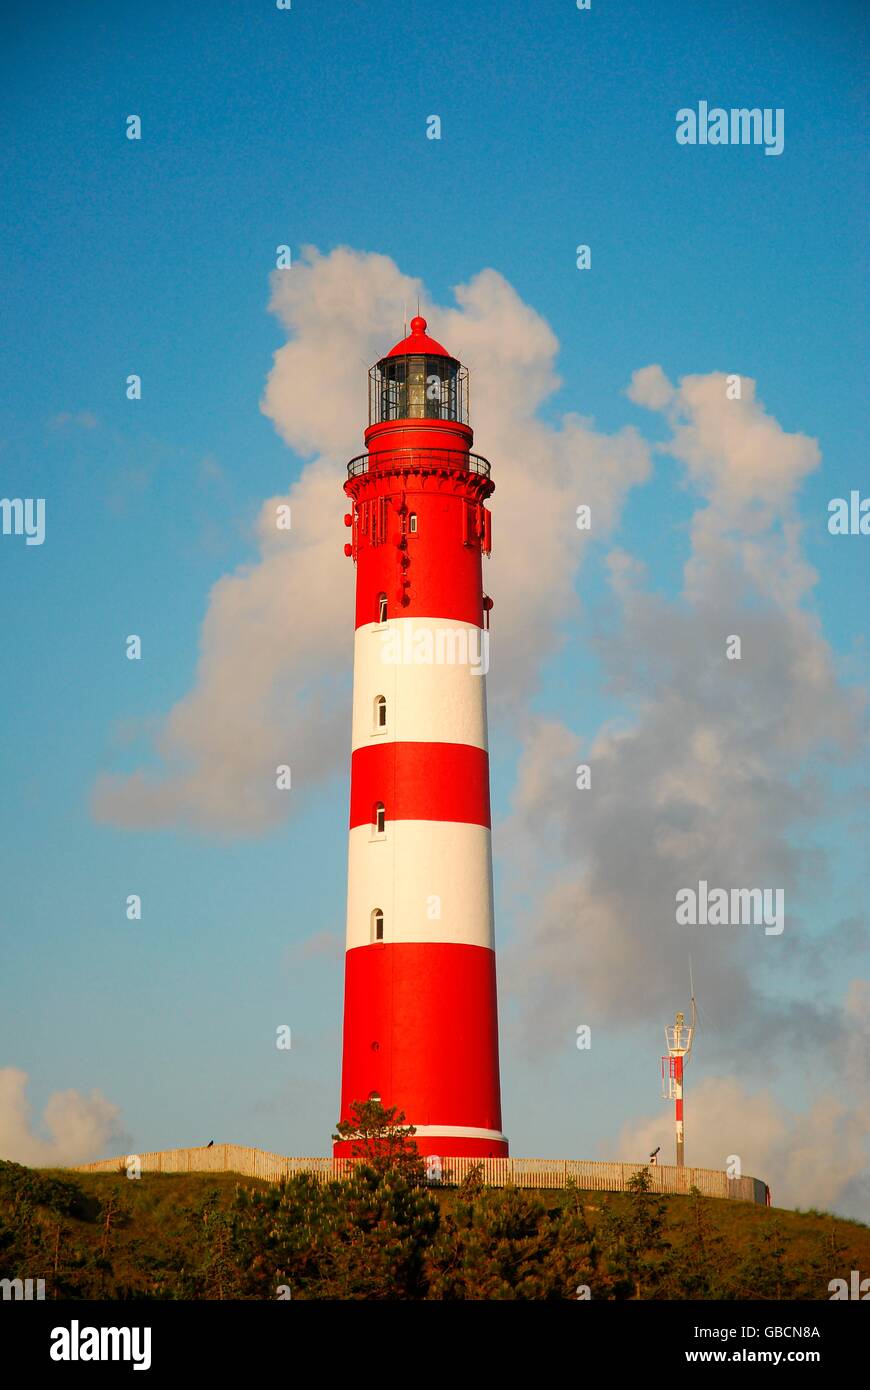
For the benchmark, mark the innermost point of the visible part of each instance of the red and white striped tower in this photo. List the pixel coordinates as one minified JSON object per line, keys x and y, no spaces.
{"x":679,"y":1037}
{"x":678,"y":1110}
{"x":420,"y":1014}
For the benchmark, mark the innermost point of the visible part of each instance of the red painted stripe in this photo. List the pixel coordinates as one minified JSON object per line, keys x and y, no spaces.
{"x":431,"y":1009}
{"x":420,"y":781}
{"x":679,"y":1114}
{"x":435,"y":572}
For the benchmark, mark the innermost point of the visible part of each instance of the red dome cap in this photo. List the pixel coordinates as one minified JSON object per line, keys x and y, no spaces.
{"x":419,"y":341}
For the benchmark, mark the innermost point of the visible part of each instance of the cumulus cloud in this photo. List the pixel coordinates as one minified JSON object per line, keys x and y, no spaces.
{"x":710,"y":773}
{"x":79,"y":1128}
{"x":272,"y":683}
{"x":733,"y":449}
{"x":650,"y":387}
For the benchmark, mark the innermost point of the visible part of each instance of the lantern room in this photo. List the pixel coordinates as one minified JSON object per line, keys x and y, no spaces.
{"x":418,"y":380}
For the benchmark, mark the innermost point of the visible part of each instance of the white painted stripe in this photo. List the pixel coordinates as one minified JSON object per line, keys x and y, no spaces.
{"x":416,"y":871}
{"x":441,"y":701}
{"x":459,"y":1132}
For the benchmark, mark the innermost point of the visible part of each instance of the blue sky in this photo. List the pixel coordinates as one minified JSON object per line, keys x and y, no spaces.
{"x":307,"y":127}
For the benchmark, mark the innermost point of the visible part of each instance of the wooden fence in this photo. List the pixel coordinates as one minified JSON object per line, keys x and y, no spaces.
{"x":497,"y":1172}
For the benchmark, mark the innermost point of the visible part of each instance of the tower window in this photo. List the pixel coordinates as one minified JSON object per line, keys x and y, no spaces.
{"x":377,"y":925}
{"x":382,"y":608}
{"x":380,"y":713}
{"x":412,"y":523}
{"x":379,"y":819}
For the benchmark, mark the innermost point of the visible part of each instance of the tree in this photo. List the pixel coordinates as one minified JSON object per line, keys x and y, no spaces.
{"x":381,"y":1138}
{"x":633,"y":1238}
{"x":508,"y":1245}
{"x":762,"y":1272}
{"x":362,"y":1238}
{"x":701,"y":1271}
{"x":219,"y":1276}
{"x":472,"y":1184}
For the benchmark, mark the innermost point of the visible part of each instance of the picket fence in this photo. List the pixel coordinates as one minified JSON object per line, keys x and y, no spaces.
{"x":589,"y":1175}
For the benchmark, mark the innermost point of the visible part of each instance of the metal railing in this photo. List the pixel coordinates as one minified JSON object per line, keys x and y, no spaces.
{"x":415,"y":458}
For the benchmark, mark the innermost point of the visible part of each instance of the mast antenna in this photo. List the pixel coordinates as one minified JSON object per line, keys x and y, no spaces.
{"x":679,"y":1038}
{"x":694,"y":1011}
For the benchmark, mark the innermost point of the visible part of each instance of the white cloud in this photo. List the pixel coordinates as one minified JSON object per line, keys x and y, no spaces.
{"x":650,"y":387}
{"x":713,"y":769}
{"x":80,"y":1128}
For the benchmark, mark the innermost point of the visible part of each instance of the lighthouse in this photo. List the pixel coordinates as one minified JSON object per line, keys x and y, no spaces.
{"x":420,"y":1010}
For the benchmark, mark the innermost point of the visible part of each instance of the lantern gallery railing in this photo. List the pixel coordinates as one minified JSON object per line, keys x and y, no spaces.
{"x":414,"y":458}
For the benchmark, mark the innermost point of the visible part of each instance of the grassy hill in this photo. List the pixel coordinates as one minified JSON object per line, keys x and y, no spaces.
{"x":383,"y":1236}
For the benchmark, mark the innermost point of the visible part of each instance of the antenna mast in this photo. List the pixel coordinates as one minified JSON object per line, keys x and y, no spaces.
{"x":694,"y":1011}
{"x":679,"y":1037}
